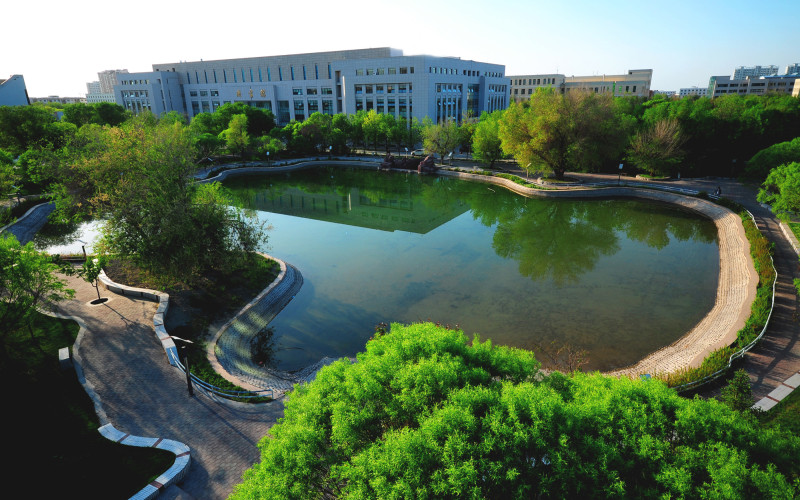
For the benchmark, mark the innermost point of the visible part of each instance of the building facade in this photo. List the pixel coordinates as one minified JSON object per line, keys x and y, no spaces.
{"x":636,"y":82}
{"x":13,"y":91}
{"x":743,"y":72}
{"x":54,"y":99}
{"x":792,"y":69}
{"x":295,"y":86}
{"x":725,"y":85}
{"x":698,"y":91}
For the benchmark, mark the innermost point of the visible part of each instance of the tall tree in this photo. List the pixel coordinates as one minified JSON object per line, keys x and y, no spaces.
{"x":235,"y":136}
{"x":782,"y":189}
{"x":554,"y":132}
{"x":440,"y":138}
{"x":657,"y":149}
{"x":27,"y":281}
{"x":486,"y":144}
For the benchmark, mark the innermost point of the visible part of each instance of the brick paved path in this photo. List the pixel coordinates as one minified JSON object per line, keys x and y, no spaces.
{"x":142,"y":394}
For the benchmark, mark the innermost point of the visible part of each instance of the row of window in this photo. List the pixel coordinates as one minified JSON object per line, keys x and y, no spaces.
{"x":312,"y":91}
{"x":403,"y":70}
{"x":135,"y":93}
{"x":400,"y":88}
{"x":204,"y":93}
{"x":534,"y":81}
{"x":135,"y":82}
{"x":448,"y":87}
{"x":240,"y":75}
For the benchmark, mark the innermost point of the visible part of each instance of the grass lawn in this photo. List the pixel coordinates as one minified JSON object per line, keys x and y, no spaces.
{"x":55,"y":448}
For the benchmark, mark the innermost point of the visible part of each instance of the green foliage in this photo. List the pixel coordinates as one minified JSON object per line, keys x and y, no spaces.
{"x":141,"y":174}
{"x":486,"y":144}
{"x":737,"y":395}
{"x":235,"y":136}
{"x":553,"y":132}
{"x":759,"y":166}
{"x":441,"y":138}
{"x":425,"y":414}
{"x":781,"y":189}
{"x":24,"y":127}
{"x":657,"y":149}
{"x":27,"y":282}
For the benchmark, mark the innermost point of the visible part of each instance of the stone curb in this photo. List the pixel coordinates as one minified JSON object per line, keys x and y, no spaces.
{"x":179,"y":468}
{"x":173,"y":475}
{"x":790,"y":237}
{"x":158,"y":318}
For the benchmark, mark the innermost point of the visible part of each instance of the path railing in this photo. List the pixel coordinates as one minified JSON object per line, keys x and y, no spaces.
{"x":218,"y":391}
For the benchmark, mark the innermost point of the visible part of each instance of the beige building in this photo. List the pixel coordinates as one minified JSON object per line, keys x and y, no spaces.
{"x":725,"y":85}
{"x":636,"y":82}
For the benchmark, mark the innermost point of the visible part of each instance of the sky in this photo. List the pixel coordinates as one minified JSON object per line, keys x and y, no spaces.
{"x":58,"y":46}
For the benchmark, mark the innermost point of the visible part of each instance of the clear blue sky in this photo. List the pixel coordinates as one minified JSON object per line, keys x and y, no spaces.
{"x":59,"y":46}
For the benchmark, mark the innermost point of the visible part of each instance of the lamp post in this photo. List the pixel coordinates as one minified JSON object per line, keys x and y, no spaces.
{"x":83,"y":247}
{"x":267,"y":158}
{"x":619,"y":175}
{"x":185,"y":350}
{"x":330,"y":153}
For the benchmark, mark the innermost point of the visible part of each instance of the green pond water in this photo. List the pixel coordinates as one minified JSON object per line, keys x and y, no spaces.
{"x":619,"y":278}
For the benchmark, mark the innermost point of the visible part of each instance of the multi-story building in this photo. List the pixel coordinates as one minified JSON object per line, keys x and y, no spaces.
{"x":698,"y":91}
{"x":792,"y":69}
{"x":522,"y":86}
{"x":108,"y":79}
{"x":743,"y":72}
{"x":54,"y":99}
{"x":725,"y":85}
{"x":295,"y":86}
{"x":95,"y":95}
{"x":666,"y":93}
{"x":636,"y":82}
{"x":13,"y":91}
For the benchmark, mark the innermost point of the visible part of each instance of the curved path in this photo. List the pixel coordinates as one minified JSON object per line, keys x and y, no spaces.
{"x":141,"y":394}
{"x":777,"y":357}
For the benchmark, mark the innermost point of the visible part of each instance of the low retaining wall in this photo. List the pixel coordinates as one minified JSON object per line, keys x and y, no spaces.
{"x":29,"y":224}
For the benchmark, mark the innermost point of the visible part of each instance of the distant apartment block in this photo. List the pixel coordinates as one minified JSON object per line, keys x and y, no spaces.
{"x":54,"y":99}
{"x":635,"y":82}
{"x":725,"y":85}
{"x":792,"y":69}
{"x":698,"y":91}
{"x":665,"y":93}
{"x":13,"y":91}
{"x":743,"y":72}
{"x":102,"y":90}
{"x":295,"y":86}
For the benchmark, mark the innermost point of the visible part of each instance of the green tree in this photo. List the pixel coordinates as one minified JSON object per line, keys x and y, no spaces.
{"x":91,"y":272}
{"x":23,"y":127}
{"x":759,"y":166}
{"x":141,"y":175}
{"x":486,"y":144}
{"x":80,"y":114}
{"x":554,"y":132}
{"x":425,"y":413}
{"x":9,"y":177}
{"x":781,"y":189}
{"x":737,"y":395}
{"x":235,"y":136}
{"x":440,"y":138}
{"x":111,"y":114}
{"x":657,"y":149}
{"x":28,"y":282}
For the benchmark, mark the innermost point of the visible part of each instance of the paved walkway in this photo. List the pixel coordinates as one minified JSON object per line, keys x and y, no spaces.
{"x":142,"y":394}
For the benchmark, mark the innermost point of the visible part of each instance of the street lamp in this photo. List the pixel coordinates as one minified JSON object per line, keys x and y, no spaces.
{"x":330,"y":152}
{"x":83,"y":247}
{"x":267,"y":158}
{"x":185,"y":349}
{"x":619,"y":176}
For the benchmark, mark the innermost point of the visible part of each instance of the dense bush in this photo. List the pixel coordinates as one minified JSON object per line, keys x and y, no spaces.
{"x":424,"y":413}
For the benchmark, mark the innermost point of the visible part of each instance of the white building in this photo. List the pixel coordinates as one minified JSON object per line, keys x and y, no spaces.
{"x":698,"y":91}
{"x":295,"y":86}
{"x":743,"y":72}
{"x":636,"y":82}
{"x":54,"y":99}
{"x":13,"y":91}
{"x":792,"y":69}
{"x":725,"y":85}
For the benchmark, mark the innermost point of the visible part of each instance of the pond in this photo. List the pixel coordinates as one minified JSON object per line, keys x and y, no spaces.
{"x":617,"y":277}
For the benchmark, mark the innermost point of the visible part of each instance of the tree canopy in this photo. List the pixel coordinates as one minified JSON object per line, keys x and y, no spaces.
{"x":782,"y":189}
{"x":425,"y":413}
